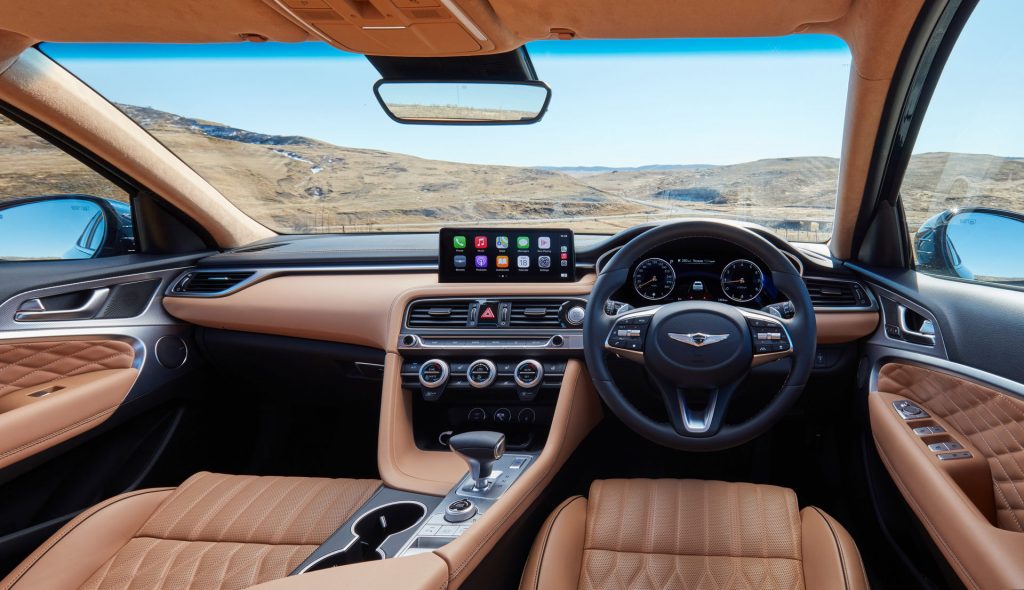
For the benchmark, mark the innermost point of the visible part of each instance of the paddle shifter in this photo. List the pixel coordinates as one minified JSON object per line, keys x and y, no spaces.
{"x":480,"y":450}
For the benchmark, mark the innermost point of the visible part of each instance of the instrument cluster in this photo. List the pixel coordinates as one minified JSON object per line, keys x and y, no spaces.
{"x":699,"y":269}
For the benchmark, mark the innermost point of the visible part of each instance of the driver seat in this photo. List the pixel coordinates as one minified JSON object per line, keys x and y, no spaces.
{"x":664,"y":533}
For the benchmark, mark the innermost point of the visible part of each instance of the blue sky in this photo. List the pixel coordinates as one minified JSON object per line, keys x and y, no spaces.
{"x":615,"y":103}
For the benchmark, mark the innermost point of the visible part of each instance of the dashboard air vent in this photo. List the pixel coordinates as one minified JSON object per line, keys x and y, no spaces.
{"x":535,"y":314}
{"x":439,"y":314}
{"x":836,"y":293}
{"x":210,"y":281}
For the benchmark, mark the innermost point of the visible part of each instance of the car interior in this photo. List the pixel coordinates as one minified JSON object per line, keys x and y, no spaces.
{"x":486,"y":294}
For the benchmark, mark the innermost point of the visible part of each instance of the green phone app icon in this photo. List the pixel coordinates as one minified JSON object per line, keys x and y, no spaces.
{"x":523,"y":242}
{"x":460,"y":241}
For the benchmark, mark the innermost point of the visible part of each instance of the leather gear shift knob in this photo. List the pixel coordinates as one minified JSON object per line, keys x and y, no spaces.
{"x":479,"y":449}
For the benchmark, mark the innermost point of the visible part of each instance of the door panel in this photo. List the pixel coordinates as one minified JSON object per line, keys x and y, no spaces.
{"x":971,"y":507}
{"x":86,"y":405}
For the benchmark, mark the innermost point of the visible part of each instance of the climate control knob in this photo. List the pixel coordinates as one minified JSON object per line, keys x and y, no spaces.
{"x":528,"y":374}
{"x":481,"y":373}
{"x":433,"y":374}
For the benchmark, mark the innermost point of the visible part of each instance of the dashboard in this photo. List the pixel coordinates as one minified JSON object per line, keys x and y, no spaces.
{"x":699,"y":269}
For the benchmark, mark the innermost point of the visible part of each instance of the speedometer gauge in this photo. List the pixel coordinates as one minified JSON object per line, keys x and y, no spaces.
{"x":742,"y":280}
{"x":654,"y":279}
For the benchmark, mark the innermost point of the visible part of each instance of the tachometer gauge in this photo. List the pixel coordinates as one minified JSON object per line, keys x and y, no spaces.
{"x":742,"y":280}
{"x":654,"y":279}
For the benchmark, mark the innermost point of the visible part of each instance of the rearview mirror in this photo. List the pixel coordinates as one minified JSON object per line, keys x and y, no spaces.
{"x":463,"y":102}
{"x":978,"y":244}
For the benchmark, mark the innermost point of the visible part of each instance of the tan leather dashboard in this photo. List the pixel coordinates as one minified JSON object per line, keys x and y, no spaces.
{"x":973,"y":508}
{"x":367,"y":309}
{"x":51,"y":391}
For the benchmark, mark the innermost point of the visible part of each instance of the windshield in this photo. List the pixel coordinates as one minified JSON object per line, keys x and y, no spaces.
{"x":636,"y":131}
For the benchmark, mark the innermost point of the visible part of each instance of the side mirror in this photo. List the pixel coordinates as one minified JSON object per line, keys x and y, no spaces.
{"x":64,"y":227}
{"x":973,"y":243}
{"x":463,"y":103}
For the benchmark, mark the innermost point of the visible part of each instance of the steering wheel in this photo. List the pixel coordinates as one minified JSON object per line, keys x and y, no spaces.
{"x":698,"y":353}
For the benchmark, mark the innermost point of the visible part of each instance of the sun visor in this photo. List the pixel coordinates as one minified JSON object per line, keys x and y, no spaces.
{"x":512,"y":66}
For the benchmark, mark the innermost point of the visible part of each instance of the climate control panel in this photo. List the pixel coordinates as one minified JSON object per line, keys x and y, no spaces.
{"x":453,"y":378}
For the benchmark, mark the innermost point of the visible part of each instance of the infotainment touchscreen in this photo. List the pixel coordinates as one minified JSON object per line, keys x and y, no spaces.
{"x":486,"y":255}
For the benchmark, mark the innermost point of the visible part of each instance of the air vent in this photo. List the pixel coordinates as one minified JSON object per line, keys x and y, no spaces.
{"x":439,"y":314}
{"x":836,"y":293}
{"x":210,"y":282}
{"x":535,"y":314}
{"x":259,"y":248}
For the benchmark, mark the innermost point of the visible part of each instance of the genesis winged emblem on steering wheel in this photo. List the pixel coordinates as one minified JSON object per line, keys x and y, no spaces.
{"x":698,"y":339}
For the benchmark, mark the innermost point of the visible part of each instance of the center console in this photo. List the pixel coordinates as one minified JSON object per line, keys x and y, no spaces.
{"x":488,"y":364}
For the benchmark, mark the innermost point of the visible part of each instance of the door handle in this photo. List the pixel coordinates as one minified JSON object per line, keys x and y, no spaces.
{"x":34,"y":310}
{"x":925,"y":335}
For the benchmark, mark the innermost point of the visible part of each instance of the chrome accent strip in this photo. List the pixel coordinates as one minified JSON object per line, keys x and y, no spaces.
{"x":570,"y":343}
{"x":702,"y":424}
{"x":86,"y":311}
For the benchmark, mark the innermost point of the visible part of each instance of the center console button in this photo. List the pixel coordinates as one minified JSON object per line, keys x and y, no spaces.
{"x":502,"y":415}
{"x":477,"y":415}
{"x":526,"y":416}
{"x":481,"y":373}
{"x":528,"y":374}
{"x":460,"y":510}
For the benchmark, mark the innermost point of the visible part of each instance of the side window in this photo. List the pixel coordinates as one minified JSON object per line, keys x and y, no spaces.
{"x":53,"y":207}
{"x":963,"y":193}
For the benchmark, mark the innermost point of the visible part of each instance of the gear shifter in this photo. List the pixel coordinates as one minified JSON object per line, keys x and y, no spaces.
{"x":480,"y":450}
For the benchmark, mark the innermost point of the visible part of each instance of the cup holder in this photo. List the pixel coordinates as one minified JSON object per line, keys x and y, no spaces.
{"x":371,"y":530}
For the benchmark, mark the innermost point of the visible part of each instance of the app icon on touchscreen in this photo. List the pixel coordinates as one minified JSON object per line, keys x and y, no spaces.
{"x":501,"y":241}
{"x":501,"y":261}
{"x":543,"y":242}
{"x":460,"y":261}
{"x":481,"y":261}
{"x":459,"y":242}
{"x":523,"y":262}
{"x":523,"y":242}
{"x":480,"y":242}
{"x":544,"y":262}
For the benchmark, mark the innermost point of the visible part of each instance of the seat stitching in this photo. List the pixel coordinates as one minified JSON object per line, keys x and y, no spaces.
{"x":839,"y":545}
{"x":84,"y":517}
{"x":660,"y":553}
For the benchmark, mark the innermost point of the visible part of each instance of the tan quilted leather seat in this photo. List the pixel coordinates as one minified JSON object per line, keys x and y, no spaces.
{"x":214,"y":532}
{"x":689,"y":534}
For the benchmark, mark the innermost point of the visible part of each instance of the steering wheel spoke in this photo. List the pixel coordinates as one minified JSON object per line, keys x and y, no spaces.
{"x":769,"y":336}
{"x":627,"y":335}
{"x":696,"y":412}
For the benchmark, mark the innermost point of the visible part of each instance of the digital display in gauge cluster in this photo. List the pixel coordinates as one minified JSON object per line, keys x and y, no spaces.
{"x":698,"y":278}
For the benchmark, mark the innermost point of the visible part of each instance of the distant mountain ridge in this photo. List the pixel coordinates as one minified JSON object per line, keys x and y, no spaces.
{"x":298,"y":184}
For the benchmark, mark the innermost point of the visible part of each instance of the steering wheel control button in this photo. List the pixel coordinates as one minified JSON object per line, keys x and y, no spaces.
{"x":908,"y":410}
{"x":502,"y":415}
{"x":460,"y":510}
{"x":481,"y":373}
{"x":433,"y":375}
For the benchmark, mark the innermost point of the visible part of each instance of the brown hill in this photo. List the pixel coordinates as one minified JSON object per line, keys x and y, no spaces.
{"x":298,"y":184}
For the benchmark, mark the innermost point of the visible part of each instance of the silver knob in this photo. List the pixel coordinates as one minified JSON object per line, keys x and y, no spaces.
{"x":481,"y":373}
{"x":433,"y":373}
{"x":575,"y":315}
{"x":533,"y":374}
